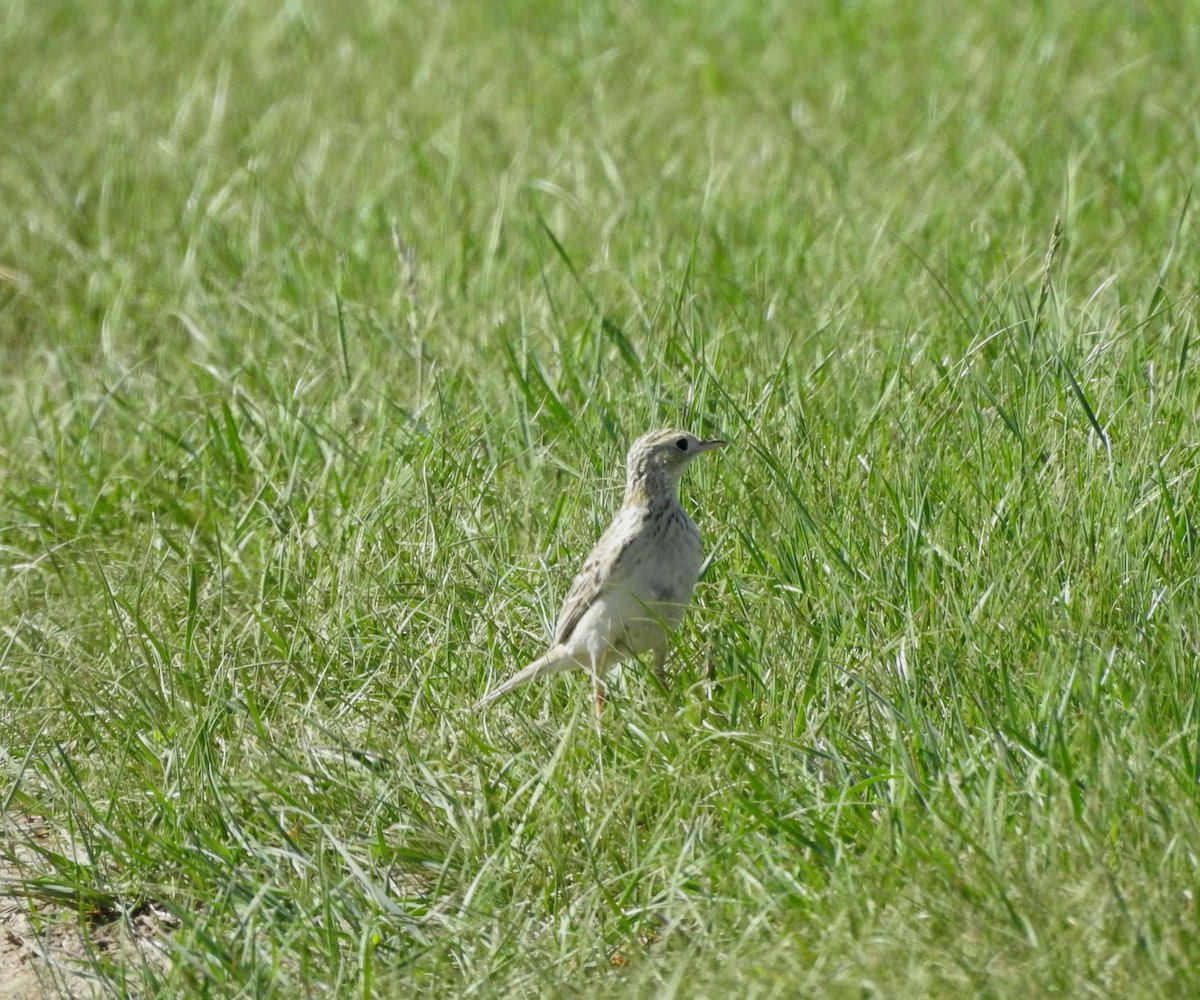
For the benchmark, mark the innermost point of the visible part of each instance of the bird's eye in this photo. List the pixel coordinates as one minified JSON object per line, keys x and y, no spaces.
{"x":681,"y":444}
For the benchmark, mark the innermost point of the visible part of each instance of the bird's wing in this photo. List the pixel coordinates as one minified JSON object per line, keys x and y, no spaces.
{"x":602,"y":570}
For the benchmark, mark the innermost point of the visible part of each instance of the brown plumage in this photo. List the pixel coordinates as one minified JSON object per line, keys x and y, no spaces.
{"x":635,"y":585}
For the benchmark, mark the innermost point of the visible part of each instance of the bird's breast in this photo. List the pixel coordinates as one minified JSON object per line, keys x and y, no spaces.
{"x":673,"y":571}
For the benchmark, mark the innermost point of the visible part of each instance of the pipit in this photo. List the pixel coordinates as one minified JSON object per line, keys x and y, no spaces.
{"x":636,"y":584}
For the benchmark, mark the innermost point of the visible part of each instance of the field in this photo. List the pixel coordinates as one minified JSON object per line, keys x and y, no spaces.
{"x":324,"y":329}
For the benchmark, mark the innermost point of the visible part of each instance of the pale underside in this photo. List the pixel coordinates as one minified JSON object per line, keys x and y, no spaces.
{"x":633,"y":589}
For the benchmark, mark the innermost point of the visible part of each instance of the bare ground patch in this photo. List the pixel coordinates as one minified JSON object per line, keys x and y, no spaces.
{"x":53,"y":946}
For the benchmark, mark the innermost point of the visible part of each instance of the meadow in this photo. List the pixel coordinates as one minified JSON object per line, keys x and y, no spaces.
{"x":324,"y":329}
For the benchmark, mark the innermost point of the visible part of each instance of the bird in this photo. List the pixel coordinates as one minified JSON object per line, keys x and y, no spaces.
{"x":635,"y":585}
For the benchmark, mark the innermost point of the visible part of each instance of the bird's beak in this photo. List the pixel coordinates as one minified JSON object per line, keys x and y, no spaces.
{"x":710,"y":445}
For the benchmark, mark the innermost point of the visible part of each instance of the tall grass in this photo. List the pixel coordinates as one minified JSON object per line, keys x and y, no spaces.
{"x":324,"y":332}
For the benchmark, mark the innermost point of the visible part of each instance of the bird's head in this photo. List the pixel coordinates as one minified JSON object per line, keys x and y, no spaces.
{"x":657,"y":460}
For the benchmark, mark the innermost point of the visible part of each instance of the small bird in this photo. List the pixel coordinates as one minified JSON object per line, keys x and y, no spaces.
{"x":636,"y":584}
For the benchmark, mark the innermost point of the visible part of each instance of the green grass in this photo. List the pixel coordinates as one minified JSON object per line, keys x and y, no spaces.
{"x":323,"y":333}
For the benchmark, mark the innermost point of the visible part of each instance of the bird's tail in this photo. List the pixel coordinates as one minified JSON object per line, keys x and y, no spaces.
{"x":554,"y":661}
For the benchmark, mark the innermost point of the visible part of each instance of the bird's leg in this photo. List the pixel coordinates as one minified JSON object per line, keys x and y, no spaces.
{"x":597,"y":657}
{"x":660,"y":662}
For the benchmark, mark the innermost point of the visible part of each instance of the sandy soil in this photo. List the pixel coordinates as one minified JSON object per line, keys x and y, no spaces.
{"x":49,"y":949}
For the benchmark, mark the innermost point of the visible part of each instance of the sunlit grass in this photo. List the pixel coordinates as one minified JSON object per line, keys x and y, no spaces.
{"x":325,"y":333}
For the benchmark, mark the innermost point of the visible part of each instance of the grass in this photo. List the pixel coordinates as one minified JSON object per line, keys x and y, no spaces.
{"x":323,"y":334}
